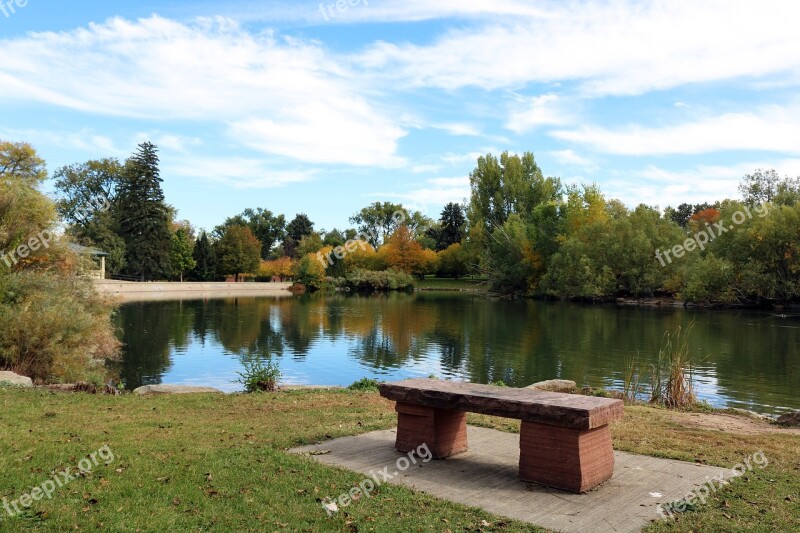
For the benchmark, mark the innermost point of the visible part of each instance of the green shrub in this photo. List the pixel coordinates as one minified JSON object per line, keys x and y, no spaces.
{"x":259,"y":375}
{"x":370,"y":281}
{"x":54,"y":328}
{"x":310,"y":272}
{"x":364,"y":384}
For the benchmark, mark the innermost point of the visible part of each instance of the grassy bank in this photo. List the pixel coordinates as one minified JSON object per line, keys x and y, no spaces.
{"x":213,"y":462}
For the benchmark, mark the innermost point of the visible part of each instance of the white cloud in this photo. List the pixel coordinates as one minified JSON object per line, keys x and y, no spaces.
{"x":770,"y":129}
{"x":569,"y":157}
{"x":170,"y":141}
{"x":613,"y":47}
{"x":655,"y":185}
{"x":421,"y":169}
{"x":84,"y":140}
{"x":280,"y":96}
{"x":365,"y":11}
{"x":544,"y":110}
{"x":235,"y":172}
{"x":458,"y":129}
{"x":435,"y":193}
{"x":469,"y":157}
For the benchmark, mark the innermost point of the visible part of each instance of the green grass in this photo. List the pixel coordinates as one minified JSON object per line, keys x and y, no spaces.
{"x":218,"y":462}
{"x":431,"y":283}
{"x":204,"y":462}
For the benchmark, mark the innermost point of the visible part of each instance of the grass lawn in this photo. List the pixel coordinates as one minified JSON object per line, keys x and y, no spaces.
{"x":218,"y":462}
{"x":431,"y":283}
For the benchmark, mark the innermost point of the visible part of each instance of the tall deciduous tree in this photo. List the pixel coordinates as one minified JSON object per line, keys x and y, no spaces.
{"x":143,"y":216}
{"x":238,"y":252}
{"x":510,"y":184}
{"x":268,"y":228}
{"x":766,"y":186}
{"x":181,"y":252}
{"x":24,"y":210}
{"x":86,"y":200}
{"x":378,"y":221}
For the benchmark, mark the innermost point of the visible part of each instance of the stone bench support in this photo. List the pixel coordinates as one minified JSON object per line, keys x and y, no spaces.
{"x":569,"y":459}
{"x":565,"y":440}
{"x":444,"y":431}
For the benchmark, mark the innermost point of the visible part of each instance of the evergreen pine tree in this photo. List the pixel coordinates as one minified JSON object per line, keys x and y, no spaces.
{"x":143,"y":216}
{"x":452,"y":224}
{"x":205,"y":261}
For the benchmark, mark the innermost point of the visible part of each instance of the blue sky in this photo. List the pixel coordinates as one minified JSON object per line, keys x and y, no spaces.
{"x":279,"y":105}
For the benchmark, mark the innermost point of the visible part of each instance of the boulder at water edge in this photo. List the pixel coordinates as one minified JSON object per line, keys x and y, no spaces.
{"x":15,"y":379}
{"x":554,"y":385}
{"x":789,"y":419}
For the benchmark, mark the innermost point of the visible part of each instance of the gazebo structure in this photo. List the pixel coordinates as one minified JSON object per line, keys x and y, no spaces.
{"x":93,"y":254}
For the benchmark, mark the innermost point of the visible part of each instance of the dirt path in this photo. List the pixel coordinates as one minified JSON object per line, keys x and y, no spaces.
{"x":729,"y":423}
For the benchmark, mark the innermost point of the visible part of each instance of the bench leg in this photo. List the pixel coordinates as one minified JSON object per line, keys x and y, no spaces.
{"x":444,"y":431}
{"x":569,"y":459}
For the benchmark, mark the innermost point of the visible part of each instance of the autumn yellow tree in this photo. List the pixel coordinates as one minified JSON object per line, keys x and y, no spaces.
{"x":364,"y":257}
{"x":404,"y":253}
{"x":282,"y":267}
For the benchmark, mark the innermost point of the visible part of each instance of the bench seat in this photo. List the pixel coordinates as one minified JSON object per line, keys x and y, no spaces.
{"x":565,"y":441}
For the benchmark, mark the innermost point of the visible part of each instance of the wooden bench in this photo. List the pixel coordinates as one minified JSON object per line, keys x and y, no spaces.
{"x":564,"y":438}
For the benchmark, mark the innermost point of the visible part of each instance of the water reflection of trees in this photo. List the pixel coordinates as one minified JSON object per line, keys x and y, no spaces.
{"x":480,"y":339}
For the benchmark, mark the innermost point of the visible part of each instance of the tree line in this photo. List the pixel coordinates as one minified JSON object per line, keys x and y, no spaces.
{"x":527,"y":234}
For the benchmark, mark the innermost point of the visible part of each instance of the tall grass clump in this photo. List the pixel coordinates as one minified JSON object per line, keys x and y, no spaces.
{"x":673,"y":373}
{"x":632,"y":386}
{"x":259,"y":374}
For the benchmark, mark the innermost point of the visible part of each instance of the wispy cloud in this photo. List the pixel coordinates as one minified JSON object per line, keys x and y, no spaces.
{"x":656,"y":185}
{"x":612,"y":47}
{"x":235,"y":172}
{"x":569,"y":157}
{"x":770,"y":129}
{"x":433,"y":194}
{"x":543,"y":110}
{"x":278,"y":95}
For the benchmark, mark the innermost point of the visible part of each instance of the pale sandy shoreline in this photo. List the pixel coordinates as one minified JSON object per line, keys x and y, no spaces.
{"x":127,"y":291}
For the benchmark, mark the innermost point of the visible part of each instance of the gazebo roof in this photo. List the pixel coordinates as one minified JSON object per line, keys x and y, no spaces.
{"x":85,"y":250}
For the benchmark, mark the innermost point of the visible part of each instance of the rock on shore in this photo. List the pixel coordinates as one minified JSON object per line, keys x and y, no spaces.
{"x":555,"y":385}
{"x":789,"y":419}
{"x":15,"y":379}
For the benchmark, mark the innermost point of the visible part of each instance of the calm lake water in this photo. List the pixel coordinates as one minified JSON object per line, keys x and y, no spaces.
{"x":747,"y":359}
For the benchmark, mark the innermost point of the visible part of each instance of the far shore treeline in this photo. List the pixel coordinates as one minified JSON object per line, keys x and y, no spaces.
{"x":525,"y":234}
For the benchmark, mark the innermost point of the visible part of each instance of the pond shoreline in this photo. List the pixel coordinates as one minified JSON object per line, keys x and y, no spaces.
{"x":129,"y":291}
